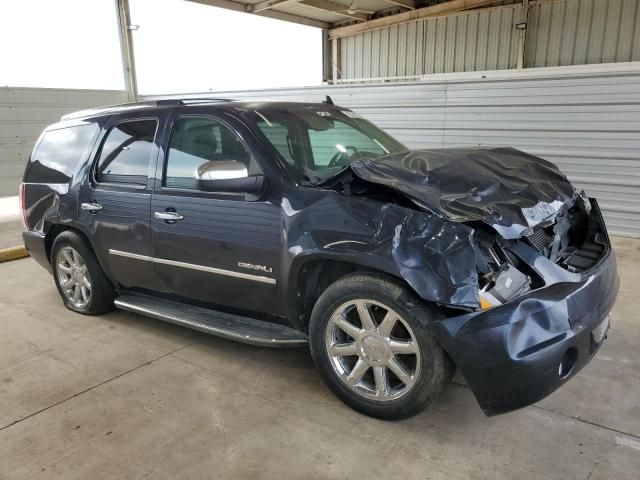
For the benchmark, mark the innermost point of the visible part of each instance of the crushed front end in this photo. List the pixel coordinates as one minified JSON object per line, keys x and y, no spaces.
{"x":517,"y":260}
{"x":545,"y":299}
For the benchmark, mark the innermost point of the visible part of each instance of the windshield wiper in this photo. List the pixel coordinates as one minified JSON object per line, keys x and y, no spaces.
{"x":310,"y":176}
{"x":323,"y":179}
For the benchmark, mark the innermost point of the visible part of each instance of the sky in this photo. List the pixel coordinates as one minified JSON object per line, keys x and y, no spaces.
{"x":180,"y":47}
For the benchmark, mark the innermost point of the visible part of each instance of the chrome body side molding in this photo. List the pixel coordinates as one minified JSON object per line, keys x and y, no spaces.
{"x":135,"y":256}
{"x":192,"y":266}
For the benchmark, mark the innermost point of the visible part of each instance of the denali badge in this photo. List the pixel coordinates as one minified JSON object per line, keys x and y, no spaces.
{"x":251,"y":266}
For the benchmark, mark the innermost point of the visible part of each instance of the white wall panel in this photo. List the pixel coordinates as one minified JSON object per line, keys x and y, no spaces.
{"x":24,"y":112}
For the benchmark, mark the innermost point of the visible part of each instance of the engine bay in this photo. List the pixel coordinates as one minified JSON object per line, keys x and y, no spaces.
{"x":574,"y":239}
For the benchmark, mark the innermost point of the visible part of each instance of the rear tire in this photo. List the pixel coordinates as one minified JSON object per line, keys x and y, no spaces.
{"x":82,"y":284}
{"x":369,"y":338}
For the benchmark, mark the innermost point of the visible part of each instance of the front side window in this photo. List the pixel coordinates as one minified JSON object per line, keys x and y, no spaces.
{"x":126,"y":152}
{"x":317,"y":142}
{"x":198,"y":140}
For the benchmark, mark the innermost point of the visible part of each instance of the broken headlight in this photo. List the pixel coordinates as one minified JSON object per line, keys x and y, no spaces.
{"x":503,"y":285}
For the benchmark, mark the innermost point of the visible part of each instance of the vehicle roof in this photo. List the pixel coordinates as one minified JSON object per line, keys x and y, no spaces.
{"x":155,"y":105}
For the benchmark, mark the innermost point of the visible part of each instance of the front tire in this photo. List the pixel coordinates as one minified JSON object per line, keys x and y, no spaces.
{"x":369,"y":339}
{"x":82,"y":284}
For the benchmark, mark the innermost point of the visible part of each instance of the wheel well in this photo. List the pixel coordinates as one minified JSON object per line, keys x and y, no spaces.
{"x":314,"y":278}
{"x":56,"y":230}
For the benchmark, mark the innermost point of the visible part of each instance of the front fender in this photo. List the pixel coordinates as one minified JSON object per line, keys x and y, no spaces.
{"x":434,"y":256}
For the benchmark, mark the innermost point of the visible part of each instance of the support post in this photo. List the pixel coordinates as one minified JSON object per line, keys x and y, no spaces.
{"x":522,"y":33}
{"x":335,"y":60}
{"x":326,"y":58}
{"x":126,"y":49}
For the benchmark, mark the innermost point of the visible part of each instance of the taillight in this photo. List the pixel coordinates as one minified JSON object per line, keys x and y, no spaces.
{"x":23,"y":206}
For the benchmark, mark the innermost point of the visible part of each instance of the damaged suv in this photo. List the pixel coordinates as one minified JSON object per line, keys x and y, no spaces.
{"x":291,"y":224}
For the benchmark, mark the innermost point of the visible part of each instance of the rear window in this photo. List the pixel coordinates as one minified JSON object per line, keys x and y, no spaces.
{"x":59,"y":153}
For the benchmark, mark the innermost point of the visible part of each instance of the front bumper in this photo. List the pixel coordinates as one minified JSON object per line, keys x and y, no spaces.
{"x":510,"y":355}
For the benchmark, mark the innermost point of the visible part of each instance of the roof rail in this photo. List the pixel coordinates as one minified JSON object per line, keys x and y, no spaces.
{"x":189,"y":100}
{"x":168,"y":101}
{"x":146,"y":104}
{"x":117,"y":108}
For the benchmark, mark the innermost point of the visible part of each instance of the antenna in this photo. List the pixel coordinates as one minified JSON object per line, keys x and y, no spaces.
{"x":328,"y":101}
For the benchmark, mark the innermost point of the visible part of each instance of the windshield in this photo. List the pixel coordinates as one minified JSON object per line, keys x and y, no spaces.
{"x":316,"y":142}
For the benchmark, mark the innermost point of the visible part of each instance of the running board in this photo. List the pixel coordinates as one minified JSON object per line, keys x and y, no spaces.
{"x":226,"y":325}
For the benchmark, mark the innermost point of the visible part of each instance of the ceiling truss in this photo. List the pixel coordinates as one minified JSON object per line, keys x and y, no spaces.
{"x":359,"y":12}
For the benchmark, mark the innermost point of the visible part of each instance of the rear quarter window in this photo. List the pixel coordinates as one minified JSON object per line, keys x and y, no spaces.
{"x":59,"y":152}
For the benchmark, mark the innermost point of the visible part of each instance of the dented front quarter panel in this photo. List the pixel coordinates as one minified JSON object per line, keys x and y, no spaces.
{"x":435,"y":256}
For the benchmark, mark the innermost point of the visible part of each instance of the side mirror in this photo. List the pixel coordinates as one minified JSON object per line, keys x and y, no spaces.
{"x":227,"y":176}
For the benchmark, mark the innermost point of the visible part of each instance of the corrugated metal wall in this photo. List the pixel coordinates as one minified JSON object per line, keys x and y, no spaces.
{"x":560,"y":32}
{"x":24,"y":112}
{"x":572,"y":32}
{"x":482,"y":40}
{"x":585,"y":119}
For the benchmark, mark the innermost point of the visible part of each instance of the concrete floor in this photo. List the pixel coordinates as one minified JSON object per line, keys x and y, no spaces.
{"x":123,"y":396}
{"x":10,"y":223}
{"x":10,"y":233}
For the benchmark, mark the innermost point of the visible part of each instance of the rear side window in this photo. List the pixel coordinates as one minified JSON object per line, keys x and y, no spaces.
{"x":126,"y":152}
{"x":59,"y":153}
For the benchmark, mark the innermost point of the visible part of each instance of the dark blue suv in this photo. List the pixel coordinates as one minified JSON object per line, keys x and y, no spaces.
{"x":287,"y":224}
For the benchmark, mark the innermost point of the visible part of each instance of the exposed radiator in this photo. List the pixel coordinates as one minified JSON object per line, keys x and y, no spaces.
{"x":540,"y":239}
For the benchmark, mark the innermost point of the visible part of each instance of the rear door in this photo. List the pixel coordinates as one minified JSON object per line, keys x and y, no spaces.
{"x":116,"y":200}
{"x":222,"y":248}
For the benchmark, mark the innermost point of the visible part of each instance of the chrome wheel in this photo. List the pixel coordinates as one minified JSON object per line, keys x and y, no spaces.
{"x":73,"y":277}
{"x":372,"y":350}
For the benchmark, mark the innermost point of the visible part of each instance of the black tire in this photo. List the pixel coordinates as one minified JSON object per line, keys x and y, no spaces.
{"x":102,"y":293}
{"x":436,"y":368}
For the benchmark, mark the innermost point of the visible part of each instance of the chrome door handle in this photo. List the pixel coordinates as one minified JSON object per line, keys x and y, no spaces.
{"x":90,"y":207}
{"x":168,"y":216}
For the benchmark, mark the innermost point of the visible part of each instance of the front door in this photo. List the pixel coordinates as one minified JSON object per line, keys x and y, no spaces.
{"x":116,"y":200}
{"x":217,"y":248}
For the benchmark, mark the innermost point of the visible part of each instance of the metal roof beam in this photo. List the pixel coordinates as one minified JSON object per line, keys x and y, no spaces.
{"x":289,"y":17}
{"x":266,"y":5}
{"x":228,"y":4}
{"x":446,"y":8}
{"x":336,"y":8}
{"x":410,"y":4}
{"x":241,"y":7}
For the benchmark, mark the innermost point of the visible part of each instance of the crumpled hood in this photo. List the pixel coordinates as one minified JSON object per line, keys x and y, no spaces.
{"x":503,"y":187}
